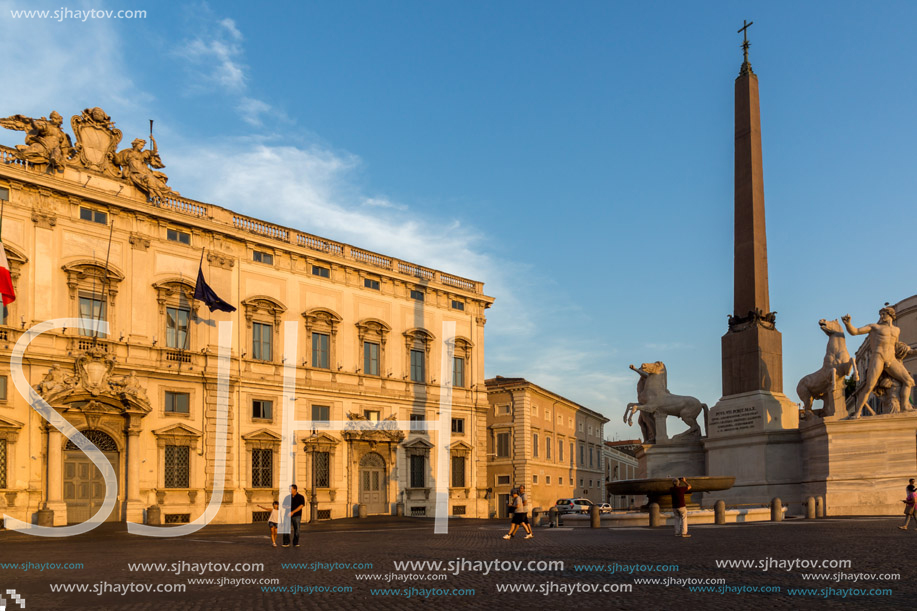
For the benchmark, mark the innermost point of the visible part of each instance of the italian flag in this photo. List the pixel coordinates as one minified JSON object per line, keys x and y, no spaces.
{"x":6,"y":282}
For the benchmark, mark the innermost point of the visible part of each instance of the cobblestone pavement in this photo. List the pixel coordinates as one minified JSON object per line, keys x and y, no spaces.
{"x":875,"y":548}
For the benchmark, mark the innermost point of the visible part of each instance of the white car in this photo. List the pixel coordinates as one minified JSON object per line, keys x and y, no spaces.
{"x":605,"y":508}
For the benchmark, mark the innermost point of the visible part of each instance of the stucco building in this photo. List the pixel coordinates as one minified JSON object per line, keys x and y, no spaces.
{"x":540,"y":439}
{"x":621,"y":464}
{"x":101,"y":236}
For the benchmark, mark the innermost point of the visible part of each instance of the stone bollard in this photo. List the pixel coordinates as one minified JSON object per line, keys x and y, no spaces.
{"x":536,"y":517}
{"x":553,"y":516}
{"x":810,"y":508}
{"x":595,"y":517}
{"x":361,"y":510}
{"x":776,"y":509}
{"x":819,"y":507}
{"x":399,"y":510}
{"x":46,"y":517}
{"x":656,"y":518}
{"x":719,"y":512}
{"x":154,"y":515}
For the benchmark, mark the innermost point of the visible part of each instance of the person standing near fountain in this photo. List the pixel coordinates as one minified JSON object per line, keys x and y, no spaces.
{"x":909,"y":503}
{"x":678,"y":490}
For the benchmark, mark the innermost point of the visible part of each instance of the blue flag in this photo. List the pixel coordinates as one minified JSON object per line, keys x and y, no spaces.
{"x":203,"y":292}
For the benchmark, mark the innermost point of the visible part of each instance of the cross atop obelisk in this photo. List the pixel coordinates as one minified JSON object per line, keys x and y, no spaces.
{"x":746,"y":67}
{"x":752,"y":348}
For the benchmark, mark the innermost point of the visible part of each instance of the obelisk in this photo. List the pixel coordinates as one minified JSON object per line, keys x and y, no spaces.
{"x":753,"y":430}
{"x":752,"y":348}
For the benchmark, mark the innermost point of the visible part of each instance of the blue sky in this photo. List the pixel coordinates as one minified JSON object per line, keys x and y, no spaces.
{"x":578,"y":158}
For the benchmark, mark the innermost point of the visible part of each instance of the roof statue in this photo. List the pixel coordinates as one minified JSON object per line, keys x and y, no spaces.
{"x":48,"y":147}
{"x":46,"y":144}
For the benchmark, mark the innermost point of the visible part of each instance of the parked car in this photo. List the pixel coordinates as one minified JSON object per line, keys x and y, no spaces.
{"x":605,"y":508}
{"x":573,"y":505}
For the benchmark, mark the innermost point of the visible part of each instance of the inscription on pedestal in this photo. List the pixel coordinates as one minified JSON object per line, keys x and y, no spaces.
{"x":736,"y":420}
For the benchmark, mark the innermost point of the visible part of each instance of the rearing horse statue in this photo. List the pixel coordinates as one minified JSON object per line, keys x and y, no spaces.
{"x":654,"y":400}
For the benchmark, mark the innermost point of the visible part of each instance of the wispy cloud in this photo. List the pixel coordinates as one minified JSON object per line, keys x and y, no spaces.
{"x":215,"y":56}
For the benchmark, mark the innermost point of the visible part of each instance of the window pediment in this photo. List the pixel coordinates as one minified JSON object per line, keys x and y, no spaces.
{"x":372,"y":328}
{"x":418,"y":337}
{"x":86,"y":273}
{"x":262,"y":305}
{"x":321,"y":319}
{"x":262,"y":439}
{"x":175,"y":291}
{"x":16,"y":260}
{"x":177,"y":435}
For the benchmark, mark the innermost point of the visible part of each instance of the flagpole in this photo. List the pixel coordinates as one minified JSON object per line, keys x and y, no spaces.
{"x":2,"y":202}
{"x":111,"y":231}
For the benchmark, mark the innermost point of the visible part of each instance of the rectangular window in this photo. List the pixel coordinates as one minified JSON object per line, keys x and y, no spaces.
{"x":95,"y":216}
{"x":534,"y":479}
{"x":502,"y":445}
{"x":535,"y":445}
{"x":560,"y":451}
{"x":2,"y":463}
{"x":371,"y":284}
{"x":418,"y":419}
{"x":458,"y":305}
{"x":263,"y":257}
{"x":458,"y":426}
{"x":371,"y":415}
{"x":4,"y":194}
{"x":321,"y":413}
{"x":178,"y":402}
{"x":262,"y":338}
{"x":322,"y":470}
{"x":572,"y":455}
{"x":458,"y":372}
{"x":417,"y":471}
{"x":582,"y":455}
{"x":92,"y":307}
{"x":262,"y":468}
{"x":177,"y":235}
{"x":458,"y":471}
{"x":177,"y":320}
{"x":371,"y":358}
{"x":547,"y":448}
{"x":418,"y":373}
{"x":321,"y":357}
{"x":318,"y":270}
{"x":591,"y":456}
{"x":177,"y":471}
{"x":262,"y":409}
{"x":503,"y":480}
{"x":2,"y":388}
{"x":560,"y":481}
{"x":416,"y":295}
{"x":547,"y":480}
{"x":503,"y":410}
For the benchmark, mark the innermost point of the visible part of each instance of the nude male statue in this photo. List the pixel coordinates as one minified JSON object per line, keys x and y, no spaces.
{"x":883,"y":340}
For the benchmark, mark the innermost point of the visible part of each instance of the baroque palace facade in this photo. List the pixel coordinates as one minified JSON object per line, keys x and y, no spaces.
{"x":369,"y":348}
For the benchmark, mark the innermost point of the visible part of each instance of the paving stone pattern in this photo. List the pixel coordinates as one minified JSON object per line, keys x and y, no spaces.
{"x":874,"y":545}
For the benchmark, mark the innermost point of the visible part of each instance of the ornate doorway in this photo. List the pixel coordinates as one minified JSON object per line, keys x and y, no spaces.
{"x":373,"y":488}
{"x":84,"y":487}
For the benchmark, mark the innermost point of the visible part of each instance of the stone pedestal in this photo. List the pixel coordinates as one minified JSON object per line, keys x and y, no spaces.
{"x":754,"y":436}
{"x":860,"y":467}
{"x":671,"y":460}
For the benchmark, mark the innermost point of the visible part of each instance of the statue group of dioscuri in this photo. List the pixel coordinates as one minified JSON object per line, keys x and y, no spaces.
{"x":48,"y":147}
{"x":885,"y":376}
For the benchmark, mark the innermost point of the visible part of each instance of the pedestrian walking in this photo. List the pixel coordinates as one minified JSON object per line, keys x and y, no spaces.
{"x":520,"y":504}
{"x":678,"y":490}
{"x":909,"y":503}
